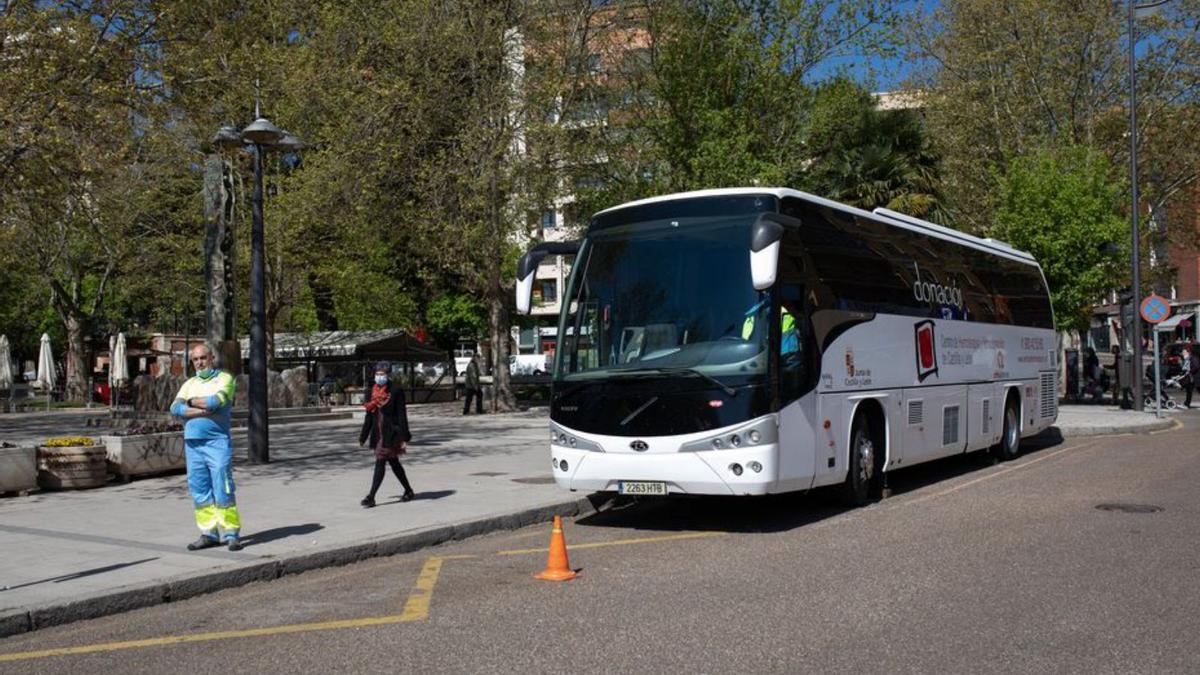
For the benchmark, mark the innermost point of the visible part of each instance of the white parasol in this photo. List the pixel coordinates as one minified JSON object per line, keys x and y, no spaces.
{"x":118,"y":370}
{"x":45,"y":371}
{"x":6,"y":372}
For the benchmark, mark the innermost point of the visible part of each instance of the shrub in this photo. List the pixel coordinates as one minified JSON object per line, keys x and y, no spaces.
{"x":69,"y":441}
{"x":150,"y":428}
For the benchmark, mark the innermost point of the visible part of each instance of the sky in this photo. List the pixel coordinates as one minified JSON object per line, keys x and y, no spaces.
{"x":878,"y":73}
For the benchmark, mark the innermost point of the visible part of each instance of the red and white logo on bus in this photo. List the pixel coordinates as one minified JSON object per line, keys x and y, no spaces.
{"x":926,"y":353}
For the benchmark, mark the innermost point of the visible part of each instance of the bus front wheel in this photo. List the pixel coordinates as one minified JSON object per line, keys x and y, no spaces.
{"x":861,"y":474}
{"x":1010,"y":437}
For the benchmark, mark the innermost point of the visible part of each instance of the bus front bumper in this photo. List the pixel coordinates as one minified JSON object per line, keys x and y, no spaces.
{"x":713,"y":472}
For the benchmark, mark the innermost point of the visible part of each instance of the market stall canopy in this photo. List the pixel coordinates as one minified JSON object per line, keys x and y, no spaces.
{"x":346,"y":345}
{"x":1173,"y":322}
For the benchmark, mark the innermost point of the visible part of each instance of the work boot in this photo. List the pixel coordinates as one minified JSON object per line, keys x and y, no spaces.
{"x":368,"y":502}
{"x":234,"y":544}
{"x":203,"y":542}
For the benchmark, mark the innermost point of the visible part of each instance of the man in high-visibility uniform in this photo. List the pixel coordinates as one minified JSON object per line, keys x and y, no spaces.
{"x":205,"y":402}
{"x":789,"y":338}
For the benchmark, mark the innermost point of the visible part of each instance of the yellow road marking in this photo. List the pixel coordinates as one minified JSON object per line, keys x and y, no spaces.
{"x":1176,"y":425}
{"x":416,"y":609}
{"x":1001,"y":472}
{"x":205,"y":637}
{"x":620,"y":542}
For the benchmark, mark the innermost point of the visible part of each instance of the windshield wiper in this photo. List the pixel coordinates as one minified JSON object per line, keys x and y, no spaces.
{"x":676,"y":370}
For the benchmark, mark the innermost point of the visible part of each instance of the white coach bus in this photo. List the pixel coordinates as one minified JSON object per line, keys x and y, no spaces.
{"x":751,"y":341}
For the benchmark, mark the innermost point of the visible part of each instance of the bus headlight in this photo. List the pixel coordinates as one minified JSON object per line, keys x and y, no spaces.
{"x":561,"y":438}
{"x":762,"y":431}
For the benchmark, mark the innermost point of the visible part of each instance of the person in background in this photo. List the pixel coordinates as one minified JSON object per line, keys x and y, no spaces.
{"x":1191,"y":369}
{"x":472,"y":387}
{"x":204,"y":401}
{"x":386,"y":427}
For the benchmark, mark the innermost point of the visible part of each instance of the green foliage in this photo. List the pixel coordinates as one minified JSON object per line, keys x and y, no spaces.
{"x":1005,"y":79}
{"x":1061,"y":207}
{"x":451,"y":317}
{"x":868,"y":157}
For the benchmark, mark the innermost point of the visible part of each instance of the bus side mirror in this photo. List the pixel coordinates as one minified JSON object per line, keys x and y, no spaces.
{"x":764,"y":252}
{"x":527,"y":267}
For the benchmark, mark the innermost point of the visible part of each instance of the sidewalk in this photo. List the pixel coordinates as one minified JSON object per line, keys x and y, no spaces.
{"x":1095,"y":420}
{"x":79,"y":554}
{"x":74,"y":555}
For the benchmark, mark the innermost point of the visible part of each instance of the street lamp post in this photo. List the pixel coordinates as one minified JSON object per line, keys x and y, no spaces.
{"x":1137,"y":375}
{"x":263,"y":135}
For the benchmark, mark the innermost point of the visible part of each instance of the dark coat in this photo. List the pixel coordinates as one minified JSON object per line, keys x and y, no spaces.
{"x":395,"y":421}
{"x":472,"y":380}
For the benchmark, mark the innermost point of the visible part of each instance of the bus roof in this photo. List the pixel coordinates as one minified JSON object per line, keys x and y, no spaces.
{"x":884,"y":215}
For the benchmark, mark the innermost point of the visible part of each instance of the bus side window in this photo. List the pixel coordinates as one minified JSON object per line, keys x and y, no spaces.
{"x":791,"y":344}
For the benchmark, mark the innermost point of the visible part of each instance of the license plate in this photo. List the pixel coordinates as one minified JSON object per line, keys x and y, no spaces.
{"x":641,"y":487}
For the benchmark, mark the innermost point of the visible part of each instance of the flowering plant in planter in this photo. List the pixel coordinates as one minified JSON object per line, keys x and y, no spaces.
{"x":69,"y":442}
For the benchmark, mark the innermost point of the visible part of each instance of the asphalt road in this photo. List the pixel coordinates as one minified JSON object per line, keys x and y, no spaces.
{"x":969,"y":567}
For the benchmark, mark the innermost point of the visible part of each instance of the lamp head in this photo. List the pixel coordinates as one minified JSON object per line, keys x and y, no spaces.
{"x":263,"y":132}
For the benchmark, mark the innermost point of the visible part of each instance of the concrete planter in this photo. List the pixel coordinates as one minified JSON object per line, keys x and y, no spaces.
{"x":71,"y":468}
{"x":18,"y":469}
{"x":145,"y":454}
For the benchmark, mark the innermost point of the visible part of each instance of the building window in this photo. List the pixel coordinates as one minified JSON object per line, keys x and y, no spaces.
{"x":548,"y":219}
{"x":549,"y":290}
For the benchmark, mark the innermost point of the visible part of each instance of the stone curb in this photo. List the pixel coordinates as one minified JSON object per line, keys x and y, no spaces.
{"x":14,"y":621}
{"x":1101,"y":430}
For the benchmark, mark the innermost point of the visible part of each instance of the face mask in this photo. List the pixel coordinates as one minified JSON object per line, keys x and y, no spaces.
{"x":207,"y":372}
{"x":381,"y":379}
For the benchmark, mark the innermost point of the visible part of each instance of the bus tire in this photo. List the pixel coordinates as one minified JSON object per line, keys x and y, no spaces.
{"x":1010,"y":435}
{"x":863,"y":463}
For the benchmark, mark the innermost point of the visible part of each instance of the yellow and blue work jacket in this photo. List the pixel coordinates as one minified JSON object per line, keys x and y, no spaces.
{"x":217,"y":390}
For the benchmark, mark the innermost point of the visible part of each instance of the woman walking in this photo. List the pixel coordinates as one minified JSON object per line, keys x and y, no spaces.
{"x":386,"y":427}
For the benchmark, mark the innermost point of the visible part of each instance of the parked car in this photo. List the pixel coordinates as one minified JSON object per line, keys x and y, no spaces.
{"x":529,"y":364}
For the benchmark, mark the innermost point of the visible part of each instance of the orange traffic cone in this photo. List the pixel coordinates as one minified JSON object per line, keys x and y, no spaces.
{"x":557,"y":567}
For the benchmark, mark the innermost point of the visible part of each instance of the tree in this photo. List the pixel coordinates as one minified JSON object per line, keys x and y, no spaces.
{"x":868,"y":157}
{"x":1004,"y":80}
{"x":1062,"y":207}
{"x":719,"y":96}
{"x":70,"y":151}
{"x":452,"y":317}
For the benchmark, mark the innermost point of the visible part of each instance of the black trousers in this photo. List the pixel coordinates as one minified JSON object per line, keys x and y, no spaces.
{"x":1188,"y":386}
{"x":377,"y":479}
{"x":477,"y":394}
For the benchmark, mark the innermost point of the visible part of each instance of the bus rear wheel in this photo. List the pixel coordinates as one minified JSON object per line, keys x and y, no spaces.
{"x":861,"y":474}
{"x":1010,"y":437}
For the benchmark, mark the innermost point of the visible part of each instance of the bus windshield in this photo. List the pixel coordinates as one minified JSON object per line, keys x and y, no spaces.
{"x":666,"y":297}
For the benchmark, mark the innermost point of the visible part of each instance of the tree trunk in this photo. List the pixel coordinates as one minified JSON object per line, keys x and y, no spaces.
{"x":323,"y":303}
{"x":498,"y":325}
{"x":77,"y":371}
